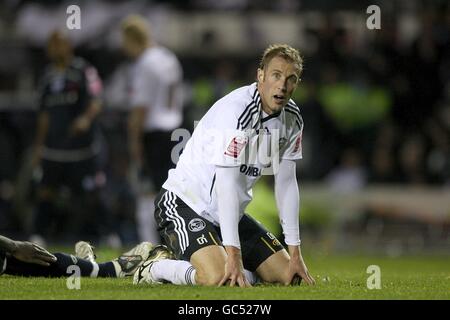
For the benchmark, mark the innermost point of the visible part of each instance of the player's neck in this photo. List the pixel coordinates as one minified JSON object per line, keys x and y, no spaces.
{"x":143,"y":49}
{"x":265,"y":109}
{"x":264,"y":106}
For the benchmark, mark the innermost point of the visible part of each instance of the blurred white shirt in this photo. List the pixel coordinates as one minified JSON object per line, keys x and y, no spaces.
{"x":156,"y":83}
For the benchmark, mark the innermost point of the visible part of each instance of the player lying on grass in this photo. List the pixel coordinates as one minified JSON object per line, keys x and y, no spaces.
{"x":27,"y":259}
{"x":200,"y":210}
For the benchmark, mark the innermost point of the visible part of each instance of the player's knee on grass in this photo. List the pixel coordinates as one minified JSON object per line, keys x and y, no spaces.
{"x":275,"y":268}
{"x":211,"y":278}
{"x":279,"y":278}
{"x":209,"y":263}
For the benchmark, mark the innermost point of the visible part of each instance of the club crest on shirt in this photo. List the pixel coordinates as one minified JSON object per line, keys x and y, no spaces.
{"x":236,"y":145}
{"x":196,"y":225}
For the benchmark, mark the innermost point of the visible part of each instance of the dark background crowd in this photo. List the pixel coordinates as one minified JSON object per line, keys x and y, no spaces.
{"x":376,"y":105}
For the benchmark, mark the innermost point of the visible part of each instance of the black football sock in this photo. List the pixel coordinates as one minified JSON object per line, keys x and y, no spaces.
{"x":106,"y":270}
{"x":60,"y":268}
{"x":56,"y":269}
{"x":87,"y":268}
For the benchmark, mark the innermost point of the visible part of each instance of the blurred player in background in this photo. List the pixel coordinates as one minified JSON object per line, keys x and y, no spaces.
{"x":201,"y":209}
{"x":67,"y":145}
{"x":21,"y":258}
{"x":155,"y":100}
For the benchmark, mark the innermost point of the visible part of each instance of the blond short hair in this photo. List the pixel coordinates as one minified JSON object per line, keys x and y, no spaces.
{"x":136,"y":28}
{"x":285,"y":51}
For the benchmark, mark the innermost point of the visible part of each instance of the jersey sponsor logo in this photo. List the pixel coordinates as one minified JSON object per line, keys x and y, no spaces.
{"x":60,"y":99}
{"x":250,"y":171}
{"x":236,"y":145}
{"x":298,"y":143}
{"x":196,"y":225}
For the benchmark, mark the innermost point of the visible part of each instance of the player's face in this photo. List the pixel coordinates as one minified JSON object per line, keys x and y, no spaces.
{"x":276,"y":84}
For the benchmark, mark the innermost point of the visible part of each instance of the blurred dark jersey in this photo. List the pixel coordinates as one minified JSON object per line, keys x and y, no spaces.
{"x":65,"y":95}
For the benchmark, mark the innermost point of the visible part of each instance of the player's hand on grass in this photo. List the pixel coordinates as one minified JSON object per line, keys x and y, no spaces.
{"x":234,"y":269}
{"x":32,"y":253}
{"x":297,"y":267}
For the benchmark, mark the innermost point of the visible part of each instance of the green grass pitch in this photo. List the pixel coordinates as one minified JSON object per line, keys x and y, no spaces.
{"x":337,"y":277}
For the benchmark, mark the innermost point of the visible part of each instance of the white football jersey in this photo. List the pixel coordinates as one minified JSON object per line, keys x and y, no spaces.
{"x":156,"y":83}
{"x":234,"y":132}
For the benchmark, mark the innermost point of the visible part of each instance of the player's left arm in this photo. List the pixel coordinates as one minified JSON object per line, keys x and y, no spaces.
{"x":94,"y":105}
{"x":26,"y":251}
{"x":288,"y":202}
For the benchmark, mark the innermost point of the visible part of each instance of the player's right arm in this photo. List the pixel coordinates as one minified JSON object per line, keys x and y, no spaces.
{"x":229,"y":185}
{"x":26,"y":251}
{"x":135,"y":133}
{"x":226,"y":151}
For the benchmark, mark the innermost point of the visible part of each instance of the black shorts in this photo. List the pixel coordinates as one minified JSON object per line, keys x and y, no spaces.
{"x":79,"y":176}
{"x":157,"y":157}
{"x":185,"y":232}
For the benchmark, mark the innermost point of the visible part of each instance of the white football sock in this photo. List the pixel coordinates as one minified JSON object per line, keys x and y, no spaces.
{"x":178,"y":272}
{"x":95,"y":268}
{"x":251,"y":277}
{"x":181,"y":272}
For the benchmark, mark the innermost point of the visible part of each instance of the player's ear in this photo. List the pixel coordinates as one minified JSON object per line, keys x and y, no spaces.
{"x":260,"y":75}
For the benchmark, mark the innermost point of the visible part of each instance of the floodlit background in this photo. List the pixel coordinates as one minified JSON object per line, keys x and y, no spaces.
{"x":375,"y":174}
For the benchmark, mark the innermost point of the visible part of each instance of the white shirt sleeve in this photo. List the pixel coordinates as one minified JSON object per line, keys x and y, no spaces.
{"x":229,"y":185}
{"x":288,"y":201}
